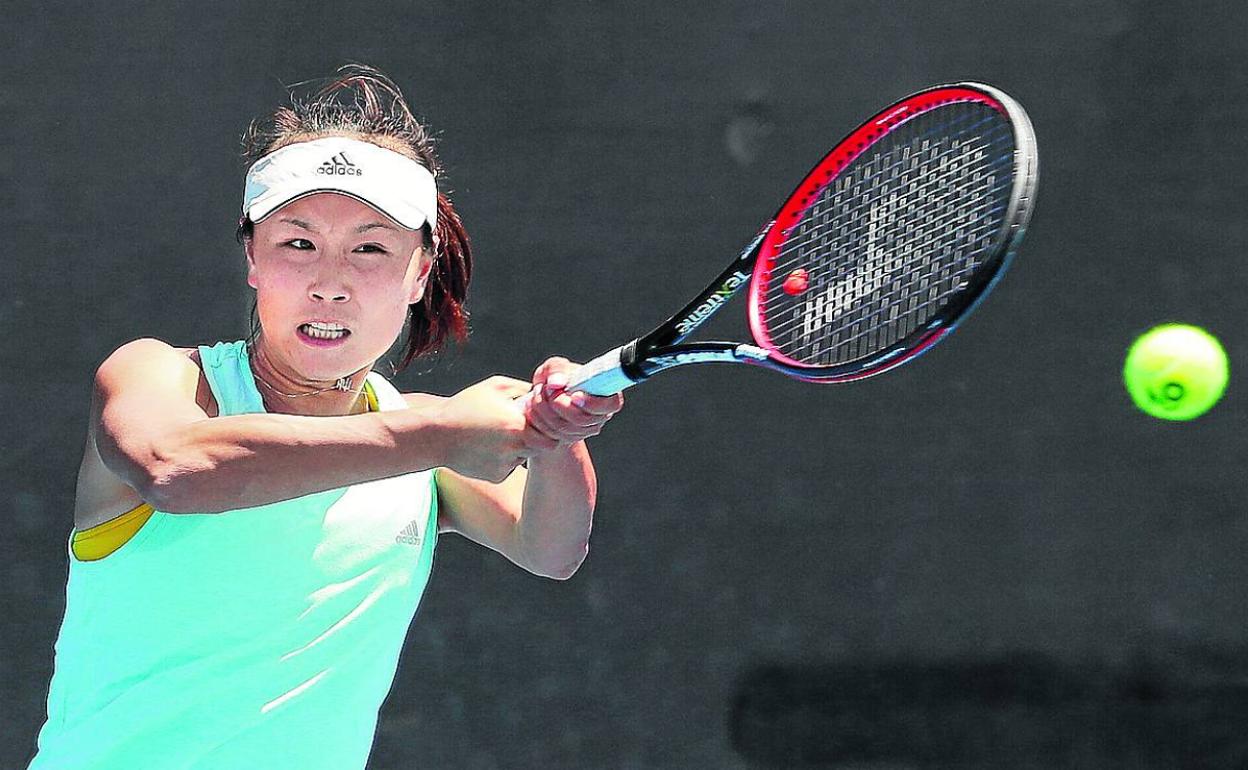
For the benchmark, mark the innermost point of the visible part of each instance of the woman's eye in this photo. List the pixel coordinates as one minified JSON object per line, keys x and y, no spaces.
{"x":303,"y":244}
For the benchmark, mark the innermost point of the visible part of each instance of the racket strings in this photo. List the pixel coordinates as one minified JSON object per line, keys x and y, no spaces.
{"x":869,"y":328}
{"x":921,"y":279}
{"x":802,"y":237}
{"x":893,"y":236}
{"x":909,"y":259}
{"x":858,"y":329}
{"x":838,"y":205}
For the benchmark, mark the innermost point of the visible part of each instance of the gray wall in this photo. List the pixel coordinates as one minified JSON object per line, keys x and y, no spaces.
{"x":986,"y":558}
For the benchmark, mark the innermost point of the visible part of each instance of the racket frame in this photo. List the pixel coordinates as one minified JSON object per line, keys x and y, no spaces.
{"x":664,"y":347}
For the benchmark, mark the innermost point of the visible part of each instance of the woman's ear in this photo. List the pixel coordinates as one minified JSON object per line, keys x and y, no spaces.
{"x":251,"y":262}
{"x":424,"y":258}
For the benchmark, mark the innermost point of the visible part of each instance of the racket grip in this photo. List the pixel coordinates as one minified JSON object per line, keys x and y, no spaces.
{"x":605,"y":375}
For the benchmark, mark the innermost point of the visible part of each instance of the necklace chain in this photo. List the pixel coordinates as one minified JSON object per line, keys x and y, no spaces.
{"x":342,"y":383}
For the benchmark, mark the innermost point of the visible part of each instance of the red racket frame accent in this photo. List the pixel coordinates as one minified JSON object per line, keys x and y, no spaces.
{"x":808,"y":192}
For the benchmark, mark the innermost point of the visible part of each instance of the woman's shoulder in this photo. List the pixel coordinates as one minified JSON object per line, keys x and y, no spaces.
{"x":204,"y":393}
{"x":151,"y":346}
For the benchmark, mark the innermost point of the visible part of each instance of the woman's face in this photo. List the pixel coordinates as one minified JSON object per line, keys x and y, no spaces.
{"x":328,"y":257}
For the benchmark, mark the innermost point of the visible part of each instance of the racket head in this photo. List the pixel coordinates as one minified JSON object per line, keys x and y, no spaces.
{"x":895,"y":235}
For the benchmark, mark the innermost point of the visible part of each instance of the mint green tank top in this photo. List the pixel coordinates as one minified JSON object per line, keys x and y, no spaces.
{"x":264,"y":637}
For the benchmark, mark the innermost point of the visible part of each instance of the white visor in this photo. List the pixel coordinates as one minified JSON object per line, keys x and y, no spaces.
{"x":394,"y":184}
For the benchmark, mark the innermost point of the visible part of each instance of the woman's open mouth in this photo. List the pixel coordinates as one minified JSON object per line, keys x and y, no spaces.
{"x":321,"y":337}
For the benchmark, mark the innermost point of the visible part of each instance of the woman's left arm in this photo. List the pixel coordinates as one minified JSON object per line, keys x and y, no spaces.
{"x":540,"y":517}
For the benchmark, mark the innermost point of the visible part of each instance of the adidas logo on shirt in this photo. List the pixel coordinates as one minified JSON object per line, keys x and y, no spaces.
{"x":340,"y":165}
{"x":410,"y":535}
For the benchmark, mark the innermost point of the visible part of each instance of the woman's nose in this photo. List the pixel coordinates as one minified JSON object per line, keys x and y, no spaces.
{"x":332,"y":297}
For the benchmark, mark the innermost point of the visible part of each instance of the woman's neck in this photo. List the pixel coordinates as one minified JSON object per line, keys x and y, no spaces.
{"x":286,"y":393}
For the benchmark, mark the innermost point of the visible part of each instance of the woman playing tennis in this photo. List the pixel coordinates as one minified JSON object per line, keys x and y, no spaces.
{"x":255,"y":520}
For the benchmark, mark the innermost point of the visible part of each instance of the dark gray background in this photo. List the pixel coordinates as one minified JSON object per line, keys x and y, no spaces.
{"x":997,"y":511}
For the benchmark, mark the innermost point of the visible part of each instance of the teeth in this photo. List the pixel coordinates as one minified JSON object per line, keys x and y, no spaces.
{"x":313,"y":331}
{"x":329,"y":327}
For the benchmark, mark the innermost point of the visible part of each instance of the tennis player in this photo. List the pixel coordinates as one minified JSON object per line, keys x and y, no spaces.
{"x":255,"y":520}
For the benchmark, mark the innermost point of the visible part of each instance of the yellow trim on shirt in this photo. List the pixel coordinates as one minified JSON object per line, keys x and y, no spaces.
{"x":103,"y":539}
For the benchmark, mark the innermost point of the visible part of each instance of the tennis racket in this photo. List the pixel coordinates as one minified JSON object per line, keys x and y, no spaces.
{"x":881,"y":251}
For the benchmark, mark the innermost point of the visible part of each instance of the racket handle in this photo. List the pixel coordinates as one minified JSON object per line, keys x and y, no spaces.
{"x":605,"y":375}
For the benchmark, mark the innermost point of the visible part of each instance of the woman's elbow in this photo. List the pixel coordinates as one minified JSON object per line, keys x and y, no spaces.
{"x":564,"y":568}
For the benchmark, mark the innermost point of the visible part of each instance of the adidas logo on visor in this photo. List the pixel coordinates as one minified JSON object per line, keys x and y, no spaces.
{"x":340,"y":165}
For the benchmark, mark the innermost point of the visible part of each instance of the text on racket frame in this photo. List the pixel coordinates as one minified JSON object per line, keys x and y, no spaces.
{"x":712,"y":303}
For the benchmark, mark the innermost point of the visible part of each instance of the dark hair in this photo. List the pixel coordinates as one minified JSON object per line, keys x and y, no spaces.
{"x":363,"y":103}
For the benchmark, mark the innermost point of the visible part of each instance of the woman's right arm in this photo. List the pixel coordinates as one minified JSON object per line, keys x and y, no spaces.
{"x":151,"y":432}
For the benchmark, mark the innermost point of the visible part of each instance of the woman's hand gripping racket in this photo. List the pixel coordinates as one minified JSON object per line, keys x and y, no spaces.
{"x":885,"y":246}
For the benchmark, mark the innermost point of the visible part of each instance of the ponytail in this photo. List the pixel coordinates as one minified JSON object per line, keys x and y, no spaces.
{"x":440,"y":314}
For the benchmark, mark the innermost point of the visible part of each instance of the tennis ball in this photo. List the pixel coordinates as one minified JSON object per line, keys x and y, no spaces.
{"x":1176,"y":371}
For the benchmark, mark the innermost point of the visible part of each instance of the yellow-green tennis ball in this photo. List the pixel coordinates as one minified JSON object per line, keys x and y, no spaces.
{"x":1176,"y":371}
